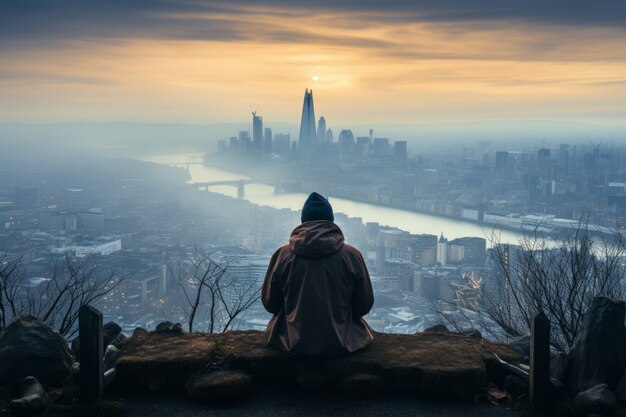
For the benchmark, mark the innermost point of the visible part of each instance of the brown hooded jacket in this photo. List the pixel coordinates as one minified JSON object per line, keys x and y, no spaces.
{"x":318,"y":288}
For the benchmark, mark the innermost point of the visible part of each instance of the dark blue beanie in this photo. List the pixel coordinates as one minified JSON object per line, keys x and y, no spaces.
{"x":317,"y":207}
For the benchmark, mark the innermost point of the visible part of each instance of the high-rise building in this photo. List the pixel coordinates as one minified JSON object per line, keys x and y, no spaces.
{"x":362,"y":146}
{"x":534,"y":194}
{"x":564,"y":159}
{"x":282,"y":144}
{"x":442,"y":250}
{"x":399,"y":148}
{"x":307,"y":137}
{"x":244,"y":141}
{"x":233,"y":144}
{"x":329,"y":135}
{"x":346,"y":143}
{"x":424,"y":249}
{"x":474,"y":250}
{"x":257,"y":132}
{"x":380,"y":147}
{"x":321,"y":130}
{"x":268,"y":148}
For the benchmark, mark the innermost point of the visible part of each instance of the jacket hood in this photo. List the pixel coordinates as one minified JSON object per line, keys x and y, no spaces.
{"x":316,"y":239}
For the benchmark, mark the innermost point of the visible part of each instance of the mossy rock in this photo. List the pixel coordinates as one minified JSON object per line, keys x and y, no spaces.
{"x":220,"y":386}
{"x":162,"y":361}
{"x":363,"y":385}
{"x":312,"y":375}
{"x":429,"y":365}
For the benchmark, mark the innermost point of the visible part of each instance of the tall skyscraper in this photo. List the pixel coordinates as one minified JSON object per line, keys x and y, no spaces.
{"x":257,"y":133}
{"x":268,"y":147}
{"x":321,"y":130}
{"x":307,"y":136}
{"x":399,"y":151}
{"x":346,"y":143}
{"x":329,"y":135}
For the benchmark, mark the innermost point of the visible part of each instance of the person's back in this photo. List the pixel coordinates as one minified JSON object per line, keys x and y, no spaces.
{"x":318,"y":288}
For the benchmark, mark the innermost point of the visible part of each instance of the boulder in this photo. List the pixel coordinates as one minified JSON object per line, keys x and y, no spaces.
{"x":34,"y":398}
{"x":599,"y":352}
{"x":521,"y":345}
{"x":169,"y":327}
{"x":111,"y":335}
{"x":75,"y":372}
{"x":139,"y":330}
{"x":428,"y":365}
{"x":75,"y":368}
{"x":111,"y":356}
{"x":220,"y":386}
{"x":110,"y":332}
{"x":363,"y":384}
{"x":29,"y":347}
{"x":119,"y":340}
{"x":471,"y":333}
{"x":108,"y":376}
{"x":515,"y":385}
{"x":312,"y":376}
{"x":436,"y":328}
{"x":596,"y":400}
{"x":155,"y":361}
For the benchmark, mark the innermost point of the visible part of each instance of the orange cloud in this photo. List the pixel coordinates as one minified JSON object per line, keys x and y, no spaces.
{"x":368,"y":69}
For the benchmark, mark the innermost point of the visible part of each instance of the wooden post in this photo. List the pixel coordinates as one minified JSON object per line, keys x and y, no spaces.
{"x":90,"y":337}
{"x":540,"y":386}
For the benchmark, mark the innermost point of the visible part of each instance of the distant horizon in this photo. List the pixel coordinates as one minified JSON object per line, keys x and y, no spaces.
{"x":395,"y":63}
{"x":141,"y":138}
{"x":265,"y":121}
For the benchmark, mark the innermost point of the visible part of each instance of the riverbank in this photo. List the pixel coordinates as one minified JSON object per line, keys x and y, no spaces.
{"x":494,"y":231}
{"x":412,"y":220}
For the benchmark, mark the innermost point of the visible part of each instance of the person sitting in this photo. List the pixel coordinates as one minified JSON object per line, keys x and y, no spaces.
{"x":318,"y":289}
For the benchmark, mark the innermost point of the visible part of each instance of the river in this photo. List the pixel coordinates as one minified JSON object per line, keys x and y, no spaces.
{"x":410,"y":221}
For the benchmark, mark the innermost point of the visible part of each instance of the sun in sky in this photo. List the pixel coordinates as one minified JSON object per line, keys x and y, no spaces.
{"x":202,"y":61}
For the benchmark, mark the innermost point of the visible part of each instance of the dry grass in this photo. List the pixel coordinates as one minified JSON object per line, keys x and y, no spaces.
{"x":160,"y":361}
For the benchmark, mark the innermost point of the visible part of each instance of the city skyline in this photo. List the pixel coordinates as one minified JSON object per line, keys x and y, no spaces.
{"x":400,"y":63}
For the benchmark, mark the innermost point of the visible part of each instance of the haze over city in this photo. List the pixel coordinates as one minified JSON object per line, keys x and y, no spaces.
{"x":458,"y":167}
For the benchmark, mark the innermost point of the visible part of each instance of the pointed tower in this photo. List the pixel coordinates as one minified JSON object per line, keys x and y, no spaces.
{"x":307,"y":137}
{"x":442,"y":250}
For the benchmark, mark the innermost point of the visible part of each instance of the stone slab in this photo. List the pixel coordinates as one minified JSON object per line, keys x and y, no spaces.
{"x":422,"y":365}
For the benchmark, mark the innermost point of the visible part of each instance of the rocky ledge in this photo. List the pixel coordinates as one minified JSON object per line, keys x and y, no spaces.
{"x":237,"y":364}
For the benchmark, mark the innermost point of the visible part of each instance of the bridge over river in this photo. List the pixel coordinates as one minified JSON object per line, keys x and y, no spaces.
{"x":240,"y":184}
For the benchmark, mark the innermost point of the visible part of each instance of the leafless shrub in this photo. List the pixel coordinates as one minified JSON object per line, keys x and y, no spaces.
{"x":211,"y":293}
{"x":71,"y":283}
{"x":11,"y":277}
{"x":558,"y":277}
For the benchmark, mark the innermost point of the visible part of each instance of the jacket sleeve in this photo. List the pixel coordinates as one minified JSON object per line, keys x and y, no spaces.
{"x":271,"y":293}
{"x":363,"y":296}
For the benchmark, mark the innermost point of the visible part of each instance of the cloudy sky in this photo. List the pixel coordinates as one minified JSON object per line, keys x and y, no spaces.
{"x":392,"y":61}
